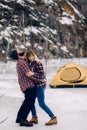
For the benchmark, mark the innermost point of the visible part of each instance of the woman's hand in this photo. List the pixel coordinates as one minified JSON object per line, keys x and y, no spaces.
{"x":43,"y":80}
{"x":29,"y":73}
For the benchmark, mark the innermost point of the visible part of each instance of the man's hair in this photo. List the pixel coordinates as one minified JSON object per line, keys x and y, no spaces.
{"x":14,"y":55}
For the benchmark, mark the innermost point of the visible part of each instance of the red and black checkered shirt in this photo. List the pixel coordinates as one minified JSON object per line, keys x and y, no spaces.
{"x":39,"y":74}
{"x":24,"y":81}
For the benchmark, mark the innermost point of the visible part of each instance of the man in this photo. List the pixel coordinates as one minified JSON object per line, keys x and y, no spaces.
{"x":27,"y":86}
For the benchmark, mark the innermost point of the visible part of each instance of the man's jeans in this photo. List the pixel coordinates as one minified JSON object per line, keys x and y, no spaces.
{"x":28,"y":103}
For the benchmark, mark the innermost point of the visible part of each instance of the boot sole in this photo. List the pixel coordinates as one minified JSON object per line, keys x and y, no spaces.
{"x":26,"y":125}
{"x":34,"y":122}
{"x":51,"y":124}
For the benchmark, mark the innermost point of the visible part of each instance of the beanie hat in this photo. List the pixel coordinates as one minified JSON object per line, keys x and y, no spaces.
{"x":14,"y":55}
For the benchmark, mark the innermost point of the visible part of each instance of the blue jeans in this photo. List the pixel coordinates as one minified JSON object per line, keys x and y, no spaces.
{"x":41,"y":100}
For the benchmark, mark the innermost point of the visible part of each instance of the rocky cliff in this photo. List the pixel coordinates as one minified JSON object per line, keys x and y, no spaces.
{"x":52,"y":28}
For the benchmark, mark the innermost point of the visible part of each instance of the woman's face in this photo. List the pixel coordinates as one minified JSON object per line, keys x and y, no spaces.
{"x":32,"y":57}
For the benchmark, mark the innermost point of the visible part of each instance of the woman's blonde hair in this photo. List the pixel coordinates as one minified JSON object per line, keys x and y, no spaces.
{"x":29,"y":53}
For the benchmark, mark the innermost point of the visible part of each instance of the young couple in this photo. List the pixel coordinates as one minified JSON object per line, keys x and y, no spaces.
{"x":32,"y":82}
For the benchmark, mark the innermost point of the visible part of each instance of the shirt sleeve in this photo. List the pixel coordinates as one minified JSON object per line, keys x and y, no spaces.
{"x":39,"y":75}
{"x":23,"y":65}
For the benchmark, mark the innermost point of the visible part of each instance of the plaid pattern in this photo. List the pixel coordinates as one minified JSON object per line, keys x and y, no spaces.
{"x":24,"y":81}
{"x":37,"y":68}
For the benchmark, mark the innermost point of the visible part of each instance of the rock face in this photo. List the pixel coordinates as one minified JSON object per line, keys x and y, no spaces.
{"x":52,"y":28}
{"x":83,"y":4}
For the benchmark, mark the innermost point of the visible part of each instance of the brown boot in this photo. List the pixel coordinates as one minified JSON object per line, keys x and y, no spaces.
{"x":52,"y":121}
{"x":34,"y":120}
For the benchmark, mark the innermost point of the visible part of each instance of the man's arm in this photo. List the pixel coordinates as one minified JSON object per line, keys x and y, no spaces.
{"x":24,"y":66}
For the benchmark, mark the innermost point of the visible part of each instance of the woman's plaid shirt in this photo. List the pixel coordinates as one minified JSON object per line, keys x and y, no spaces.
{"x":37,"y":68}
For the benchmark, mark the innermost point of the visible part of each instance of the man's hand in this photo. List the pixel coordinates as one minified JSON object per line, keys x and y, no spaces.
{"x":29,"y":73}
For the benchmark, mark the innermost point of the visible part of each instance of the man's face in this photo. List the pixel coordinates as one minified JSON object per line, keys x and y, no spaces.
{"x":20,"y":52}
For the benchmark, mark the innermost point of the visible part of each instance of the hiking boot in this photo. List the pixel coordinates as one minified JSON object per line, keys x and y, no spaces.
{"x":26,"y":123}
{"x":52,"y":121}
{"x":34,"y":120}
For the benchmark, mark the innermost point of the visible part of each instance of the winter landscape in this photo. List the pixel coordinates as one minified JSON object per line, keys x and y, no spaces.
{"x":57,"y":31}
{"x":68,"y":104}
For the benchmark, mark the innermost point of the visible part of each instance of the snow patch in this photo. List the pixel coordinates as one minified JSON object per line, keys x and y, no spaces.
{"x":65,"y":20}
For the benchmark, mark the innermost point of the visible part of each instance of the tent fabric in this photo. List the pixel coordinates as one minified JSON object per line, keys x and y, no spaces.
{"x":70,"y":75}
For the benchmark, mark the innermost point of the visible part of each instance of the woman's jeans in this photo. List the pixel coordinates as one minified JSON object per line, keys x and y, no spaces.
{"x":41,"y":97}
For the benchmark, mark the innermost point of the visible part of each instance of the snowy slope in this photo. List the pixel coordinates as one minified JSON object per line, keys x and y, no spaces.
{"x":69,"y":105}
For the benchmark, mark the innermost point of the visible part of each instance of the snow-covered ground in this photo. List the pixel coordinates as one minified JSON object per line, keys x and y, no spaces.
{"x":68,"y":104}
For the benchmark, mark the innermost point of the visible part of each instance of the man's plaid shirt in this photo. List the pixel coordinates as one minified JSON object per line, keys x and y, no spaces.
{"x":24,"y":81}
{"x":39,"y":74}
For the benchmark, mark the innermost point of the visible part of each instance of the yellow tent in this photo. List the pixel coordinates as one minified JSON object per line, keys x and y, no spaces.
{"x":70,"y":75}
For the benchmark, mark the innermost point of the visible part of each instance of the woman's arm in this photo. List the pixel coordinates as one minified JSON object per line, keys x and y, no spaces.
{"x":39,"y":75}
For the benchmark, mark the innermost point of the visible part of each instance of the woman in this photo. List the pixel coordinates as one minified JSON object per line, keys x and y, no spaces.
{"x":40,"y":81}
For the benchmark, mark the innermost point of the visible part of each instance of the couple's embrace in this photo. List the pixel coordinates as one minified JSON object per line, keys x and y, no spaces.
{"x":32,"y":82}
